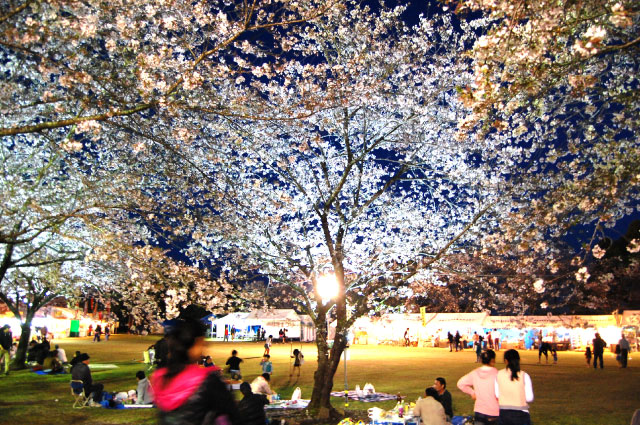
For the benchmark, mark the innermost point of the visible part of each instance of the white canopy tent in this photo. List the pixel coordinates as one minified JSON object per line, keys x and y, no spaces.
{"x":272,"y":320}
{"x":237,"y":320}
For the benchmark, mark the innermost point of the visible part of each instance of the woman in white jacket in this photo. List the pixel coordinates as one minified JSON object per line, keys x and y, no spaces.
{"x":513,"y":390}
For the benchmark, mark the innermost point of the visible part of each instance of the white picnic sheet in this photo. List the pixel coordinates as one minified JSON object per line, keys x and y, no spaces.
{"x":102,"y":366}
{"x":288,"y":404}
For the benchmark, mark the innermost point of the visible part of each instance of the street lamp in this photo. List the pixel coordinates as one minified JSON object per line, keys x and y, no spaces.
{"x":327,"y":287}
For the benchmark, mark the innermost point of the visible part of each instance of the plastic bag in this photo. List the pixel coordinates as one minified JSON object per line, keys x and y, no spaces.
{"x":369,"y":389}
{"x":359,"y":392}
{"x":297,"y":394}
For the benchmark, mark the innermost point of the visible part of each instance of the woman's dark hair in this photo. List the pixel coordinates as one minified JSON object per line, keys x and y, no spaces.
{"x":266,"y":376}
{"x":432,"y":392}
{"x":140,"y":374}
{"x":295,"y":352}
{"x":487,"y":356}
{"x":180,"y":339}
{"x":513,"y":363}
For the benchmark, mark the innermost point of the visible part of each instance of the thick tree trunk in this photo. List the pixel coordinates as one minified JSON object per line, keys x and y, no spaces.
{"x":21,"y":355}
{"x":328,"y":362}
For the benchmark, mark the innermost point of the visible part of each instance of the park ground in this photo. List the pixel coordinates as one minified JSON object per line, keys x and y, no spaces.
{"x":568,"y":393}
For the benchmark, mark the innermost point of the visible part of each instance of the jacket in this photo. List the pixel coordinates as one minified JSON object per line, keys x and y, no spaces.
{"x":251,"y":409}
{"x":81,"y":372}
{"x":194,"y":396}
{"x":480,"y":382}
{"x":144,"y":392}
{"x":6,"y":338}
{"x":430,"y":411}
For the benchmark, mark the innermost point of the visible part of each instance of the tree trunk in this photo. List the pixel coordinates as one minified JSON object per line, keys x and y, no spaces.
{"x":328,"y":362}
{"x":21,"y":355}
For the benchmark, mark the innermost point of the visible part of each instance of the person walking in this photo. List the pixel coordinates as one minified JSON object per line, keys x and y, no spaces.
{"x":457,"y":340}
{"x":598,"y":351}
{"x":450,"y":338}
{"x":587,"y":355}
{"x":624,"y":351}
{"x":226,"y":333}
{"x":97,"y":333}
{"x":406,"y":338}
{"x":267,"y":345}
{"x":496,"y":339}
{"x":184,"y":392}
{"x":514,"y":390}
{"x":480,"y":385}
{"x":107,"y":333}
{"x":6,"y":341}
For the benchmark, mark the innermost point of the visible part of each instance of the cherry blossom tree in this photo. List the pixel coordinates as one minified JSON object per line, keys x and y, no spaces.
{"x":368,"y":185}
{"x":558,"y":80}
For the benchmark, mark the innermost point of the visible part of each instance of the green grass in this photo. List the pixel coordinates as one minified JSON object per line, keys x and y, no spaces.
{"x":565,"y":394}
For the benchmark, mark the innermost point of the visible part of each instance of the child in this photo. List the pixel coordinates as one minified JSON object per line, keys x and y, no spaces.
{"x":267,"y":345}
{"x":144,"y":395}
{"x":587,"y":354}
{"x":267,"y":366}
{"x":234,"y":365}
{"x":554,"y":353}
{"x":299,"y":359}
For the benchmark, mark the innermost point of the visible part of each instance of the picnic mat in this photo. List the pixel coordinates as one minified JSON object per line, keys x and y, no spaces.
{"x":366,"y":398}
{"x":102,"y":366}
{"x":42,"y":372}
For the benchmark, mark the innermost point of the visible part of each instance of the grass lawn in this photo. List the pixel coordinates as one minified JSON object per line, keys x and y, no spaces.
{"x":568,"y":393}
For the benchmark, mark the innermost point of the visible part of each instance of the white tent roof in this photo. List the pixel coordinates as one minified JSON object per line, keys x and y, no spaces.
{"x":452,"y":320}
{"x":231,"y":317}
{"x":274,"y":314}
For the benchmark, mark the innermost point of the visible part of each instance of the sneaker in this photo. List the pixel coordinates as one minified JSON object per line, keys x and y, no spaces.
{"x":92,"y":403}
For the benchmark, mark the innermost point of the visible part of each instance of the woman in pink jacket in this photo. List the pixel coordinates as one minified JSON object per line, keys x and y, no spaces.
{"x":479,"y":384}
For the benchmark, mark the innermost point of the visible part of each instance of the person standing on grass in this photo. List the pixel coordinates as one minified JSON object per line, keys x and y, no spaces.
{"x":297,"y":362}
{"x":587,"y":355}
{"x":598,"y":351}
{"x":6,"y":340}
{"x":624,"y":351}
{"x":267,"y":366}
{"x":107,"y":333}
{"x":184,"y":392}
{"x":226,"y":333}
{"x":267,"y":345}
{"x":457,"y":340}
{"x":444,"y":396}
{"x":406,"y":338}
{"x":480,"y":385}
{"x":496,"y":339}
{"x":450,"y":339}
{"x":514,"y":390}
{"x":96,"y":334}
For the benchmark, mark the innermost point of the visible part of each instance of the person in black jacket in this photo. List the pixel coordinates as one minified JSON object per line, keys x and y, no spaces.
{"x":6,"y":340}
{"x":80,"y":371}
{"x":598,"y":351}
{"x":251,"y":407}
{"x":184,"y":392}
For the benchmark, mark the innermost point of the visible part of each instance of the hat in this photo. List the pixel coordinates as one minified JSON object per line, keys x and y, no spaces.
{"x":84,"y":356}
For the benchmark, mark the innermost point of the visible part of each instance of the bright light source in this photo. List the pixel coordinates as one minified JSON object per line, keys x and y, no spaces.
{"x":327,"y":286}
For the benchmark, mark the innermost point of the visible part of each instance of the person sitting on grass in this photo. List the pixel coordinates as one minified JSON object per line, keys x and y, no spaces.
{"x":444,"y":396}
{"x":208,"y":362}
{"x":143,"y":392}
{"x":260,"y":385}
{"x":251,"y":407}
{"x":51,"y":363}
{"x":234,"y":365}
{"x":62,"y":355}
{"x":429,"y":408}
{"x":75,"y":359}
{"x":81,"y":372}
